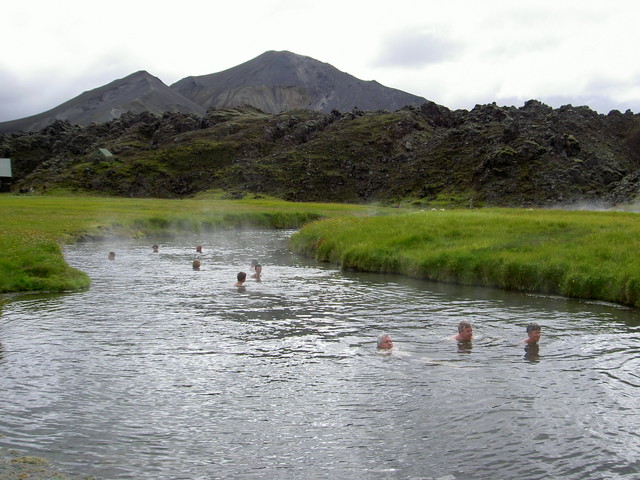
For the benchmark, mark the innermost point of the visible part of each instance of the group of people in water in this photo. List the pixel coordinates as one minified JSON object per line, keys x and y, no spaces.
{"x":257,"y":274}
{"x":465,"y":330}
{"x":197,"y":263}
{"x":465,"y":335}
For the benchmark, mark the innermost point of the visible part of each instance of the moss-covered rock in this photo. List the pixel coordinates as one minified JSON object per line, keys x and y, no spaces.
{"x":528,"y":156}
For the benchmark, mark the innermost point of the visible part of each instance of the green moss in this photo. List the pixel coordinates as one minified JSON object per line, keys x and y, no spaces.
{"x":14,"y":466}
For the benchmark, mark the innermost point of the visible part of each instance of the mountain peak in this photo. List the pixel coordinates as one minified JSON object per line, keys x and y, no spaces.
{"x":274,"y":81}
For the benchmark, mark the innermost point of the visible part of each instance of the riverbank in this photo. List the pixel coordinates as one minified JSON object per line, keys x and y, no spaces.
{"x":587,"y":255}
{"x":33,"y":228}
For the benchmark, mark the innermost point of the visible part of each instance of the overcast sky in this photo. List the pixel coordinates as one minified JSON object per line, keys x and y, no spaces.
{"x":457,"y":53}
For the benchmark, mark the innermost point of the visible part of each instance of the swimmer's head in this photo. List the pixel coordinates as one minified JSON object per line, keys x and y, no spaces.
{"x":532,"y":326}
{"x":384,"y":341}
{"x":465,"y":332}
{"x":533,"y":332}
{"x":462,"y":325}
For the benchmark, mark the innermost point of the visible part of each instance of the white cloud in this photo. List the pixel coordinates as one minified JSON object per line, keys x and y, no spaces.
{"x":457,"y":53}
{"x":414,"y":49}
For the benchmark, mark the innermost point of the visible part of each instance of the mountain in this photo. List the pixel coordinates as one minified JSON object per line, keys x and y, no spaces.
{"x":272,"y":82}
{"x":138,"y":92}
{"x":317,"y":146}
{"x":427,"y":156}
{"x":279,"y":81}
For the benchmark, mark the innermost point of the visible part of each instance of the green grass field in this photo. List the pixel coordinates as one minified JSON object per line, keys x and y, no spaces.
{"x":589,"y":255}
{"x":32,"y":228}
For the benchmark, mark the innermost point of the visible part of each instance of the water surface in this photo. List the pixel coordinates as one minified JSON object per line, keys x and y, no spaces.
{"x":159,"y":371}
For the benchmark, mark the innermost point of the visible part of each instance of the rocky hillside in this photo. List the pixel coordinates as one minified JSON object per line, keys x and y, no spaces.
{"x":272,"y":82}
{"x":429,"y":155}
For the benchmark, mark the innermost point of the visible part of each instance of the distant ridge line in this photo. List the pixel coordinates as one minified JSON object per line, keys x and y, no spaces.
{"x":273,"y":82}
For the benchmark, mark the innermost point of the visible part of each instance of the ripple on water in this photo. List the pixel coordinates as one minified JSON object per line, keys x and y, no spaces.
{"x":159,"y":371}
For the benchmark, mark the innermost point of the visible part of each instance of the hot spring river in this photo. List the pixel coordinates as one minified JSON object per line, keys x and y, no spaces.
{"x":162,"y":372}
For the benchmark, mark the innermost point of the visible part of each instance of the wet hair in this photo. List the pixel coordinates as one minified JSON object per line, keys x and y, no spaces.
{"x":382,"y":337}
{"x":242,"y":276}
{"x":462,"y":325}
{"x":532,"y":326}
{"x":196,"y":264}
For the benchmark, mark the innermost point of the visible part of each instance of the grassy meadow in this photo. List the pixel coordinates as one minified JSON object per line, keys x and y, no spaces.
{"x":589,"y":255}
{"x":33,"y":228}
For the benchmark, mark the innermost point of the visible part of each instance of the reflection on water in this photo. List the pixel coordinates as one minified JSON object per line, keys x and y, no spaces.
{"x":532,"y":352}
{"x":465,"y":347}
{"x":162,"y":371}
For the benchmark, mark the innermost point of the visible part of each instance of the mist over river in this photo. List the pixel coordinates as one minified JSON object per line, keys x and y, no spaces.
{"x":162,"y":372}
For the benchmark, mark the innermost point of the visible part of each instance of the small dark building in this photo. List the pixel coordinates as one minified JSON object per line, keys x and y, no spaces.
{"x":6,"y":177}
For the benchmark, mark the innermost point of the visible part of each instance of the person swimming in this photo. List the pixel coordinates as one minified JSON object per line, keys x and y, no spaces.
{"x":112,"y":256}
{"x":533,"y":333}
{"x":385,"y":342}
{"x":241,"y":277}
{"x":465,"y":332}
{"x":258,"y":269}
{"x":196,"y":264}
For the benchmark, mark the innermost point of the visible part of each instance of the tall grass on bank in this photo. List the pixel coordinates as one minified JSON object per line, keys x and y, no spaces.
{"x":31,"y":261}
{"x":589,"y":255}
{"x":33,"y":227}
